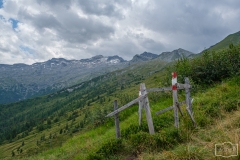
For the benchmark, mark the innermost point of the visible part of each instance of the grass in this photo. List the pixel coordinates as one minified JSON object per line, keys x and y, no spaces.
{"x":216,"y":124}
{"x":216,"y":111}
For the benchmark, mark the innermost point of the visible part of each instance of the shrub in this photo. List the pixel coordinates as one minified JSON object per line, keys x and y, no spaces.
{"x":94,"y":156}
{"x":133,"y":129}
{"x":111,"y":147}
{"x":211,"y":66}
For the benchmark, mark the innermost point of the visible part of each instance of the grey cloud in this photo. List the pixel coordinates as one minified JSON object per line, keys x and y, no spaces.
{"x":82,"y":30}
{"x":104,"y":7}
{"x":192,"y":19}
{"x":103,"y":29}
{"x":69,"y":26}
{"x":152,"y":46}
{"x":124,"y":47}
{"x":147,"y":43}
{"x":59,"y":3}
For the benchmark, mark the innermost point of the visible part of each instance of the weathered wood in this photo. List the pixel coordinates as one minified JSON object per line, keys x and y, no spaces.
{"x":169,"y":108}
{"x":147,"y":109}
{"x":179,"y":86}
{"x":164,"y":110}
{"x":127,"y":105}
{"x":175,"y":99}
{"x":189,"y":101}
{"x":179,"y":108}
{"x":188,"y":95}
{"x":140,"y":110}
{"x":183,"y":86}
{"x":159,"y":89}
{"x":117,"y":125}
{"x":192,"y":118}
{"x":176,"y":117}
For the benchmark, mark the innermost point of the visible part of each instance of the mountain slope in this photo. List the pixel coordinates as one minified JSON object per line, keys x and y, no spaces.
{"x":72,"y":121}
{"x":21,"y":81}
{"x":175,"y":54}
{"x":223,"y":44}
{"x":31,"y":115}
{"x":145,"y":56}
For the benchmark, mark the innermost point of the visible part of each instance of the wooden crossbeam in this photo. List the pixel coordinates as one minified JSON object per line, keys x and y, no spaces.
{"x":169,"y":108}
{"x":183,"y":86}
{"x":179,"y":86}
{"x":159,"y":89}
{"x":127,"y":105}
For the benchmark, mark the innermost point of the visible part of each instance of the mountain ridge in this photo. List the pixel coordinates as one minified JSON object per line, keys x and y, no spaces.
{"x":21,"y":81}
{"x":233,"y":38}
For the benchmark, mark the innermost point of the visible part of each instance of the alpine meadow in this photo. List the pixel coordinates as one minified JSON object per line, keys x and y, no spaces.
{"x":119,"y":80}
{"x":69,"y":122}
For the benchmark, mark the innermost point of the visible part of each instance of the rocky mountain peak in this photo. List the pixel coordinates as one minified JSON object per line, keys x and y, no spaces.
{"x":145,"y":56}
{"x":149,"y":55}
{"x":115,"y":59}
{"x":174,"y":55}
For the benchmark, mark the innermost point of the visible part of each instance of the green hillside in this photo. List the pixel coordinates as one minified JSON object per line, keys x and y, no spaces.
{"x":230,"y":39}
{"x":69,"y":112}
{"x":71,"y":124}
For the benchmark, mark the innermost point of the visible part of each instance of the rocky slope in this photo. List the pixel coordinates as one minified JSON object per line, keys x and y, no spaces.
{"x":21,"y":81}
{"x":175,"y":54}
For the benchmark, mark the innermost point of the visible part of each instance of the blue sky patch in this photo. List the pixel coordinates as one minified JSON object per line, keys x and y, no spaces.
{"x":26,"y":49}
{"x":14,"y":23}
{"x":1,"y":3}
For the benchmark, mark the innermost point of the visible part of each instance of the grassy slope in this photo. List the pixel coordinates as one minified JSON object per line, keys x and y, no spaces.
{"x":129,"y":77}
{"x":232,"y":38}
{"x":217,"y":99}
{"x":217,"y":127}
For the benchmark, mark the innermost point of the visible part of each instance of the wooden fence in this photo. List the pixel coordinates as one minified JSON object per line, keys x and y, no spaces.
{"x":143,"y":102}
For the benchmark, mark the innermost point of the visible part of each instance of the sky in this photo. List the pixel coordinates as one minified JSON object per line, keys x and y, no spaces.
{"x":38,"y":30}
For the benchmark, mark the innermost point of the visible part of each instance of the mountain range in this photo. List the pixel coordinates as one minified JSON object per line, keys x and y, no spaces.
{"x":39,"y":125}
{"x":21,"y":81}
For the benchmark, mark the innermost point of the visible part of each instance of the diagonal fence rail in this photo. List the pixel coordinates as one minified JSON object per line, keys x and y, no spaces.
{"x":143,"y":102}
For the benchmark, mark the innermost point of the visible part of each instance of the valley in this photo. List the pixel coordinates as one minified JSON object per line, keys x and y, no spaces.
{"x":70,"y":123}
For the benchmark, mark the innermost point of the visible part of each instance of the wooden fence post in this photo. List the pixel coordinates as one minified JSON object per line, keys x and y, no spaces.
{"x":175,"y":99}
{"x":189,"y":101}
{"x":188,"y":95}
{"x":147,"y":108}
{"x":117,"y":120}
{"x":140,"y":109}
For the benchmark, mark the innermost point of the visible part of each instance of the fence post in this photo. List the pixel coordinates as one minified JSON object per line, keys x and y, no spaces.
{"x":118,"y":134}
{"x":188,"y":95}
{"x":175,"y":99}
{"x":140,"y":109}
{"x":147,"y":108}
{"x":188,"y":101}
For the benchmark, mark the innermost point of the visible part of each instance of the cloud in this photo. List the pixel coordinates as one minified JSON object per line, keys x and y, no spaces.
{"x":39,"y":30}
{"x":107,"y":8}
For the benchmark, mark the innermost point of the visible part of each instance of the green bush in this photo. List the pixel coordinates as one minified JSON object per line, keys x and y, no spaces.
{"x":143,"y":141}
{"x":133,"y":129}
{"x":211,"y":66}
{"x":111,"y":147}
{"x":94,"y":156}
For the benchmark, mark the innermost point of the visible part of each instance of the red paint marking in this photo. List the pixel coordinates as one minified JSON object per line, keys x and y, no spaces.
{"x":174,"y":87}
{"x":174,"y":74}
